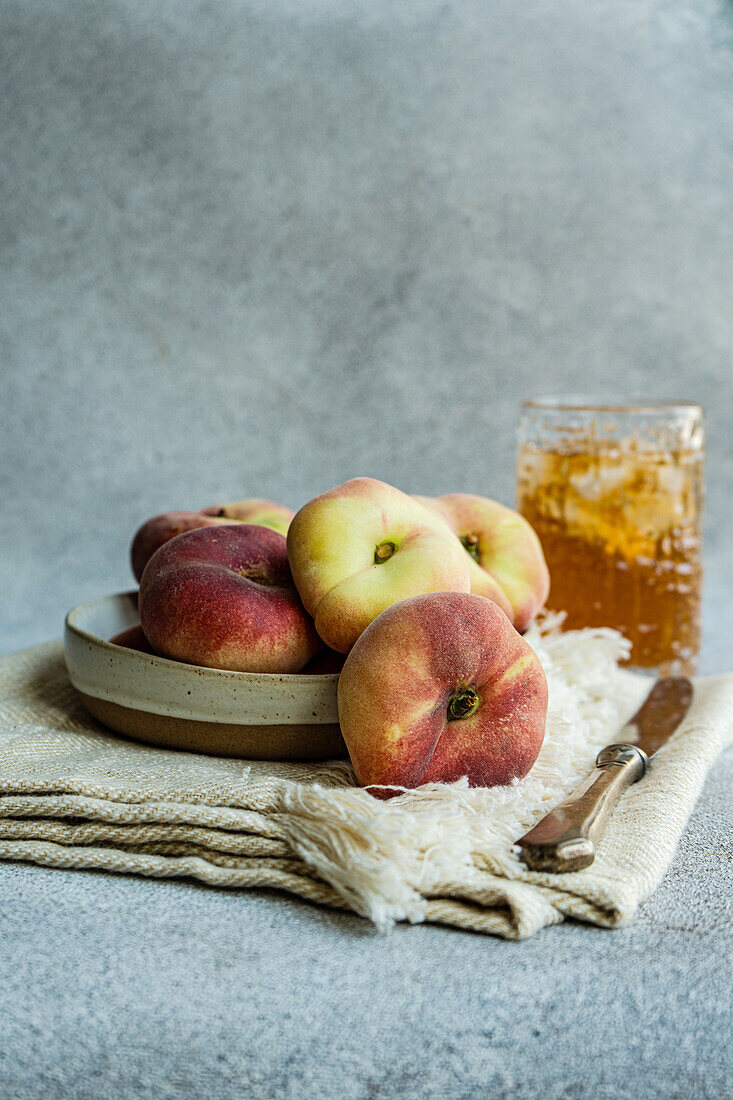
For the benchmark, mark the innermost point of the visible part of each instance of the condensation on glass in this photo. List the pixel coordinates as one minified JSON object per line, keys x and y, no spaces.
{"x":616,"y":497}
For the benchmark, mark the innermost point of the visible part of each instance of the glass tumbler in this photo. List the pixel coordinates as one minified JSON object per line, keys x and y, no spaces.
{"x":615,"y":494}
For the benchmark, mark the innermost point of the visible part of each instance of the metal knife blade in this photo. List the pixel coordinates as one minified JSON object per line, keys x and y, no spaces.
{"x":659,"y":715}
{"x":565,"y":839}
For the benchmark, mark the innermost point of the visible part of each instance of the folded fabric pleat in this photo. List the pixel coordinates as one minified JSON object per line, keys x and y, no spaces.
{"x":74,"y":795}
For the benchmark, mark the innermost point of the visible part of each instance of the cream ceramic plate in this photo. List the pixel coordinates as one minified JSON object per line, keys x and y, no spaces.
{"x":259,"y":716}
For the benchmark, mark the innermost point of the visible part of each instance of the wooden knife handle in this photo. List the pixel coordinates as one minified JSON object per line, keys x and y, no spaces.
{"x":565,"y":839}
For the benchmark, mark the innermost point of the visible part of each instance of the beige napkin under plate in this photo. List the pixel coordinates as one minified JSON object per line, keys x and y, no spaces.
{"x":74,"y":795}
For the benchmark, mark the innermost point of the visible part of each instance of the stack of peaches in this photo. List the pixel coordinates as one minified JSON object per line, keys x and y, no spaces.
{"x":418,"y":603}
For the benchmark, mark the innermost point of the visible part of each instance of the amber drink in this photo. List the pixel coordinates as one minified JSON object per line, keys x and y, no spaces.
{"x":615,"y":495}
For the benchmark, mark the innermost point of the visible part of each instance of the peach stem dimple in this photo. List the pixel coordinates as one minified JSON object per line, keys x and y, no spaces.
{"x":463,"y":704}
{"x":470,"y":545}
{"x":256,"y":578}
{"x":384,"y":552}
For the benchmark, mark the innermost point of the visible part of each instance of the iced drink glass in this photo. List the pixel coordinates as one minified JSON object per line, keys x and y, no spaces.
{"x":615,"y":494}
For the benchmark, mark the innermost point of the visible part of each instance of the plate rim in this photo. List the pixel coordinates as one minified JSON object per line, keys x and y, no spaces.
{"x":219,"y":673}
{"x":150,"y":684}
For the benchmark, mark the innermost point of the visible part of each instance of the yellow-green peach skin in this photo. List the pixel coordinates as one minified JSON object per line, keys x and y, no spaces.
{"x":438,"y":687}
{"x":502,"y":549}
{"x":361,"y":547}
{"x":256,"y":510}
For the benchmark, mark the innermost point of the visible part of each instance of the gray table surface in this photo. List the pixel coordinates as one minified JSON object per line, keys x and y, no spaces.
{"x":123,"y":987}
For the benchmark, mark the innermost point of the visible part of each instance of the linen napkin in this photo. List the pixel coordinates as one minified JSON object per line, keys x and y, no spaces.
{"x":75,"y":795}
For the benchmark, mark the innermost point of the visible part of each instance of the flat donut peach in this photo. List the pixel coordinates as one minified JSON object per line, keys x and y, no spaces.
{"x":362,"y":546}
{"x":503,"y":550}
{"x":439,"y":687}
{"x":257,"y":510}
{"x":224,"y":597}
{"x":159,"y":529}
{"x":154,"y":532}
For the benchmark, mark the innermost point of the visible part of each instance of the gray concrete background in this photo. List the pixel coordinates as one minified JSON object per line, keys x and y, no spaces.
{"x":257,"y":248}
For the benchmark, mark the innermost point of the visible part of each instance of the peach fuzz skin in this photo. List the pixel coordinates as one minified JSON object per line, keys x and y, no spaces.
{"x":160,"y":529}
{"x":257,"y":510}
{"x":223,"y":597}
{"x":418,"y":661}
{"x":363,"y":546}
{"x":503,"y":551}
{"x":157,"y":530}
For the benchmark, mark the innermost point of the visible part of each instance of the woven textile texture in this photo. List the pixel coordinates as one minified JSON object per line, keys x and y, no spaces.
{"x":73,"y":795}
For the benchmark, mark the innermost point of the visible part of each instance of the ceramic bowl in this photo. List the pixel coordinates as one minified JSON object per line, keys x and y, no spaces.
{"x":258,"y":716}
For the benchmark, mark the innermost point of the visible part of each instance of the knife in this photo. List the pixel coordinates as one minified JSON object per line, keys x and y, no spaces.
{"x":566,"y":838}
